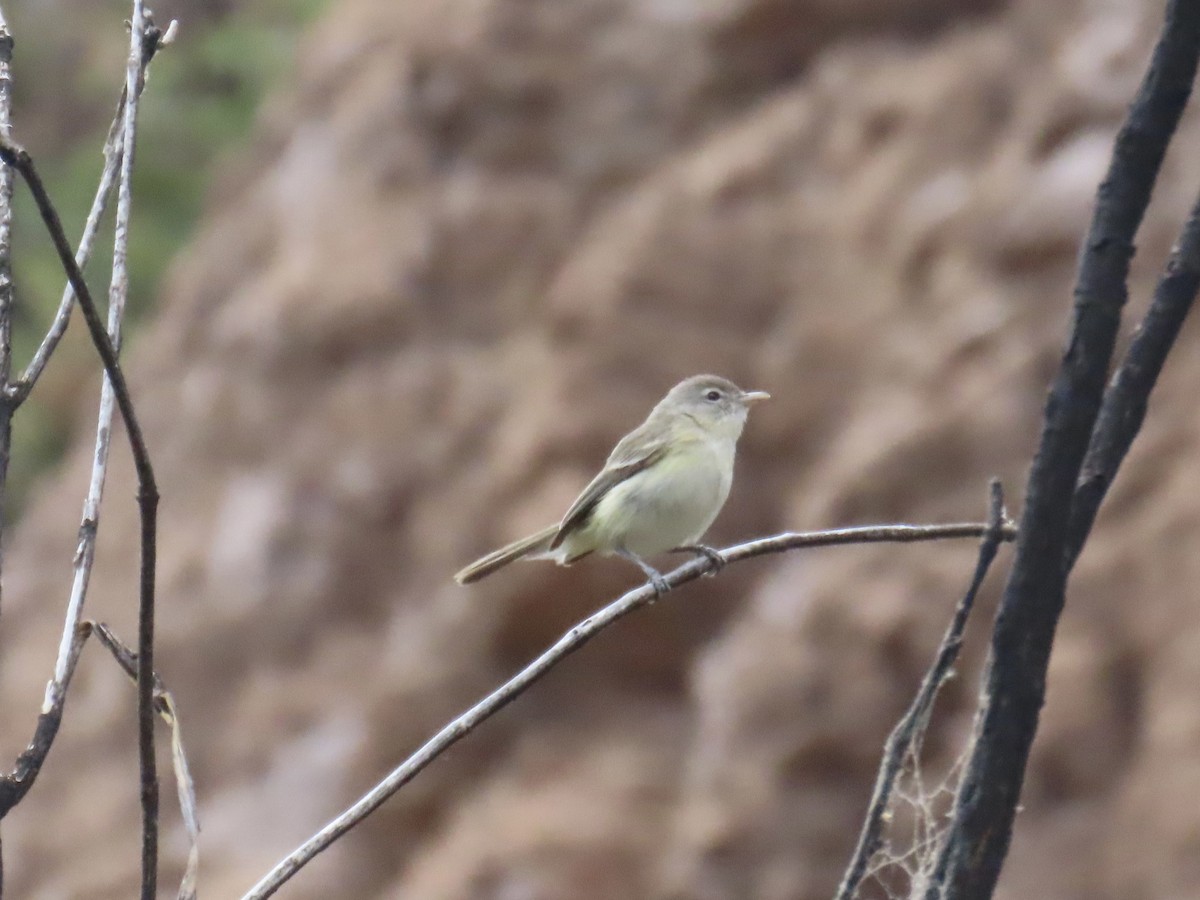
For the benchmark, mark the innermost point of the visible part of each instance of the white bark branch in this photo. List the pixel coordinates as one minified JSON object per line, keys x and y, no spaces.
{"x":572,"y":640}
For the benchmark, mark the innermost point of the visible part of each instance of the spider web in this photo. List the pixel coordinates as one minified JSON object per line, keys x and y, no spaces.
{"x":915,"y":825}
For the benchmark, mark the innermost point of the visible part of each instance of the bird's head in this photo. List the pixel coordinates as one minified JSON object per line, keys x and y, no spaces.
{"x":714,"y":403}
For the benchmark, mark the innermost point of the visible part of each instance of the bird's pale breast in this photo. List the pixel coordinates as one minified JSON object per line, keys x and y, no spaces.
{"x":671,"y":503}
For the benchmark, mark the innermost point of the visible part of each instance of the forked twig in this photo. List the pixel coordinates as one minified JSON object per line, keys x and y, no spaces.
{"x":913,"y":722}
{"x":152,"y":41}
{"x":1128,"y":395}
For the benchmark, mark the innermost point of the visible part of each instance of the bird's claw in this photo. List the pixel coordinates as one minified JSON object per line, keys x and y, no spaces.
{"x":712,"y":555}
{"x":652,"y":574}
{"x":659,"y":584}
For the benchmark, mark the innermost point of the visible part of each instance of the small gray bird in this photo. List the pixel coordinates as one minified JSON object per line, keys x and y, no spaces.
{"x":660,"y":489}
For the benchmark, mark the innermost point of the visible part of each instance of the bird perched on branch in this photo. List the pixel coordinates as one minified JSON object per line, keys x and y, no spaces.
{"x":660,"y":489}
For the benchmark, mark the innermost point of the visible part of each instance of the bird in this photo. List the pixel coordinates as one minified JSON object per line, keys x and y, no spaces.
{"x":659,"y":491}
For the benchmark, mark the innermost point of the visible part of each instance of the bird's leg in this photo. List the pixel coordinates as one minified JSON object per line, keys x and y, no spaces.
{"x":655,"y":577}
{"x":710,"y":553}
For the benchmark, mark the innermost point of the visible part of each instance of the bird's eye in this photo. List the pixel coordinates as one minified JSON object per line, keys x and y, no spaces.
{"x":714,"y":396}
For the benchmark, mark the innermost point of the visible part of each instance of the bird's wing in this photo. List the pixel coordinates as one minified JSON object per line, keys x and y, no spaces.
{"x":633,"y":454}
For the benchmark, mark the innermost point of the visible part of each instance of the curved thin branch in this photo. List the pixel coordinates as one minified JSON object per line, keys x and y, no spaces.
{"x":575,"y":638}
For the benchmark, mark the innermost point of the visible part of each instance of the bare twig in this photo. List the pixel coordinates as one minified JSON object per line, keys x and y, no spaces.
{"x":979,"y":836}
{"x":113,"y":147}
{"x":21,"y":388}
{"x":6,"y":280}
{"x":576,"y":637}
{"x":16,"y":784}
{"x":900,"y":741}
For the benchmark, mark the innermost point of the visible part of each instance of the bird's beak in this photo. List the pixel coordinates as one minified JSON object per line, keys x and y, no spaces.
{"x":752,"y":397}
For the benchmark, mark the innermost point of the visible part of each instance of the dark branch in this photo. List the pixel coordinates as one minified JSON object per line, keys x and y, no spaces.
{"x":1124,"y":407}
{"x":147,"y":492}
{"x":1033,"y":598}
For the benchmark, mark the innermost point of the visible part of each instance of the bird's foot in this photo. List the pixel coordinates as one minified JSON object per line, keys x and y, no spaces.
{"x":655,"y":577}
{"x":712,"y":555}
{"x":658,"y":583}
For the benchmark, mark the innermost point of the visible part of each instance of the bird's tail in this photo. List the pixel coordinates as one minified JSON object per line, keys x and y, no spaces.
{"x":486,"y":565}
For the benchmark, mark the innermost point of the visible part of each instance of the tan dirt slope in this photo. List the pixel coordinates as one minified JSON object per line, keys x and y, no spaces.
{"x":473,"y":242}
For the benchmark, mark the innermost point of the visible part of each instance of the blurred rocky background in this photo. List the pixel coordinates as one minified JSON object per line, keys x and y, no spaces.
{"x":465,"y":247}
